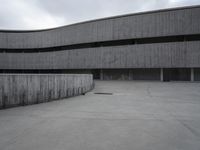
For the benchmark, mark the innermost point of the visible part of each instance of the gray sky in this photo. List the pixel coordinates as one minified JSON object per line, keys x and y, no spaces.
{"x":40,"y":14}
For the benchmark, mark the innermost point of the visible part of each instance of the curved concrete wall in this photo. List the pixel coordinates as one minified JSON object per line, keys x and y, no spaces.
{"x":19,"y":90}
{"x":160,"y":55}
{"x":180,"y":21}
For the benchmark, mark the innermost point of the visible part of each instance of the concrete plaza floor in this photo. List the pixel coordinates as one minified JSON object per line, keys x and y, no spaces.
{"x":138,"y":116}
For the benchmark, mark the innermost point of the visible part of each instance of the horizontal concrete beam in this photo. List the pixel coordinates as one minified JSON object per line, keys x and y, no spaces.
{"x":158,"y":55}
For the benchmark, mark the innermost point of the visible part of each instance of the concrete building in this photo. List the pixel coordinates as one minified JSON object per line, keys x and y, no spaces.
{"x":158,"y":45}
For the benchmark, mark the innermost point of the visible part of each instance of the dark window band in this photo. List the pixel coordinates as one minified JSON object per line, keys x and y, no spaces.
{"x":164,"y":39}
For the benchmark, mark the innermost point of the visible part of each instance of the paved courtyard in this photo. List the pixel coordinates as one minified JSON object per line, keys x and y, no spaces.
{"x":130,"y":115}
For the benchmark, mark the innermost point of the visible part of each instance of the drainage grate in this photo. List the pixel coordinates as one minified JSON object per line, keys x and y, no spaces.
{"x":104,"y":93}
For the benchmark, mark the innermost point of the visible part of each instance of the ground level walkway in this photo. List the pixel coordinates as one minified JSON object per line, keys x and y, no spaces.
{"x":122,"y":115}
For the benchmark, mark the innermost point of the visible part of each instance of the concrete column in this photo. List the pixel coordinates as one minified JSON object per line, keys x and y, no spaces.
{"x":161,"y":74}
{"x":130,"y":74}
{"x":192,"y":75}
{"x":101,"y":74}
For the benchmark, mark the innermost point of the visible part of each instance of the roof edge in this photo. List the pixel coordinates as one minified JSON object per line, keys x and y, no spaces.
{"x":105,"y":18}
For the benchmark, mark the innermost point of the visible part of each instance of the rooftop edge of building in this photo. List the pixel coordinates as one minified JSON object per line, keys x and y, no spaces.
{"x":105,"y":18}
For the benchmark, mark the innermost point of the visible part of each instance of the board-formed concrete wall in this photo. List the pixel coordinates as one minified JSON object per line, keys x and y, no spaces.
{"x":178,"y":21}
{"x":158,"y":55}
{"x":19,"y":90}
{"x":172,"y":22}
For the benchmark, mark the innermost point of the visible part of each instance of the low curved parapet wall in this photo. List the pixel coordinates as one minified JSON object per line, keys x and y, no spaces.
{"x":20,"y":90}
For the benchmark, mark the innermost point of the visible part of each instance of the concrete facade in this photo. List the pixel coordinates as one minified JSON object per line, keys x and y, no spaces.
{"x":162,"y":55}
{"x":179,"y":28}
{"x":20,"y":90}
{"x":182,"y":21}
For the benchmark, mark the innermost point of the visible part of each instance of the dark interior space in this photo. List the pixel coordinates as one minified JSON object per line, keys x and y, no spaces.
{"x":197,"y":74}
{"x":145,"y":74}
{"x":177,"y":74}
{"x":96,"y":74}
{"x":131,"y":74}
{"x":115,"y":74}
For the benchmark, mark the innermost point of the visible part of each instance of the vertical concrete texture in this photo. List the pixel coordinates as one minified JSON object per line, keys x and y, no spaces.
{"x":179,"y":21}
{"x":156,"y":55}
{"x":19,"y":90}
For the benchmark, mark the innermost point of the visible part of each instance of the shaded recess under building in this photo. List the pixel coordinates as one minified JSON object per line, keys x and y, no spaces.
{"x":157,"y":45}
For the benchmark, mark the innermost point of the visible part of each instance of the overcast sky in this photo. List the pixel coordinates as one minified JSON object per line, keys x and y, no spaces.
{"x":40,"y":14}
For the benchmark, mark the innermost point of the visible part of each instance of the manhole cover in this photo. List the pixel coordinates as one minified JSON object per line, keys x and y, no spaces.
{"x":104,"y":93}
